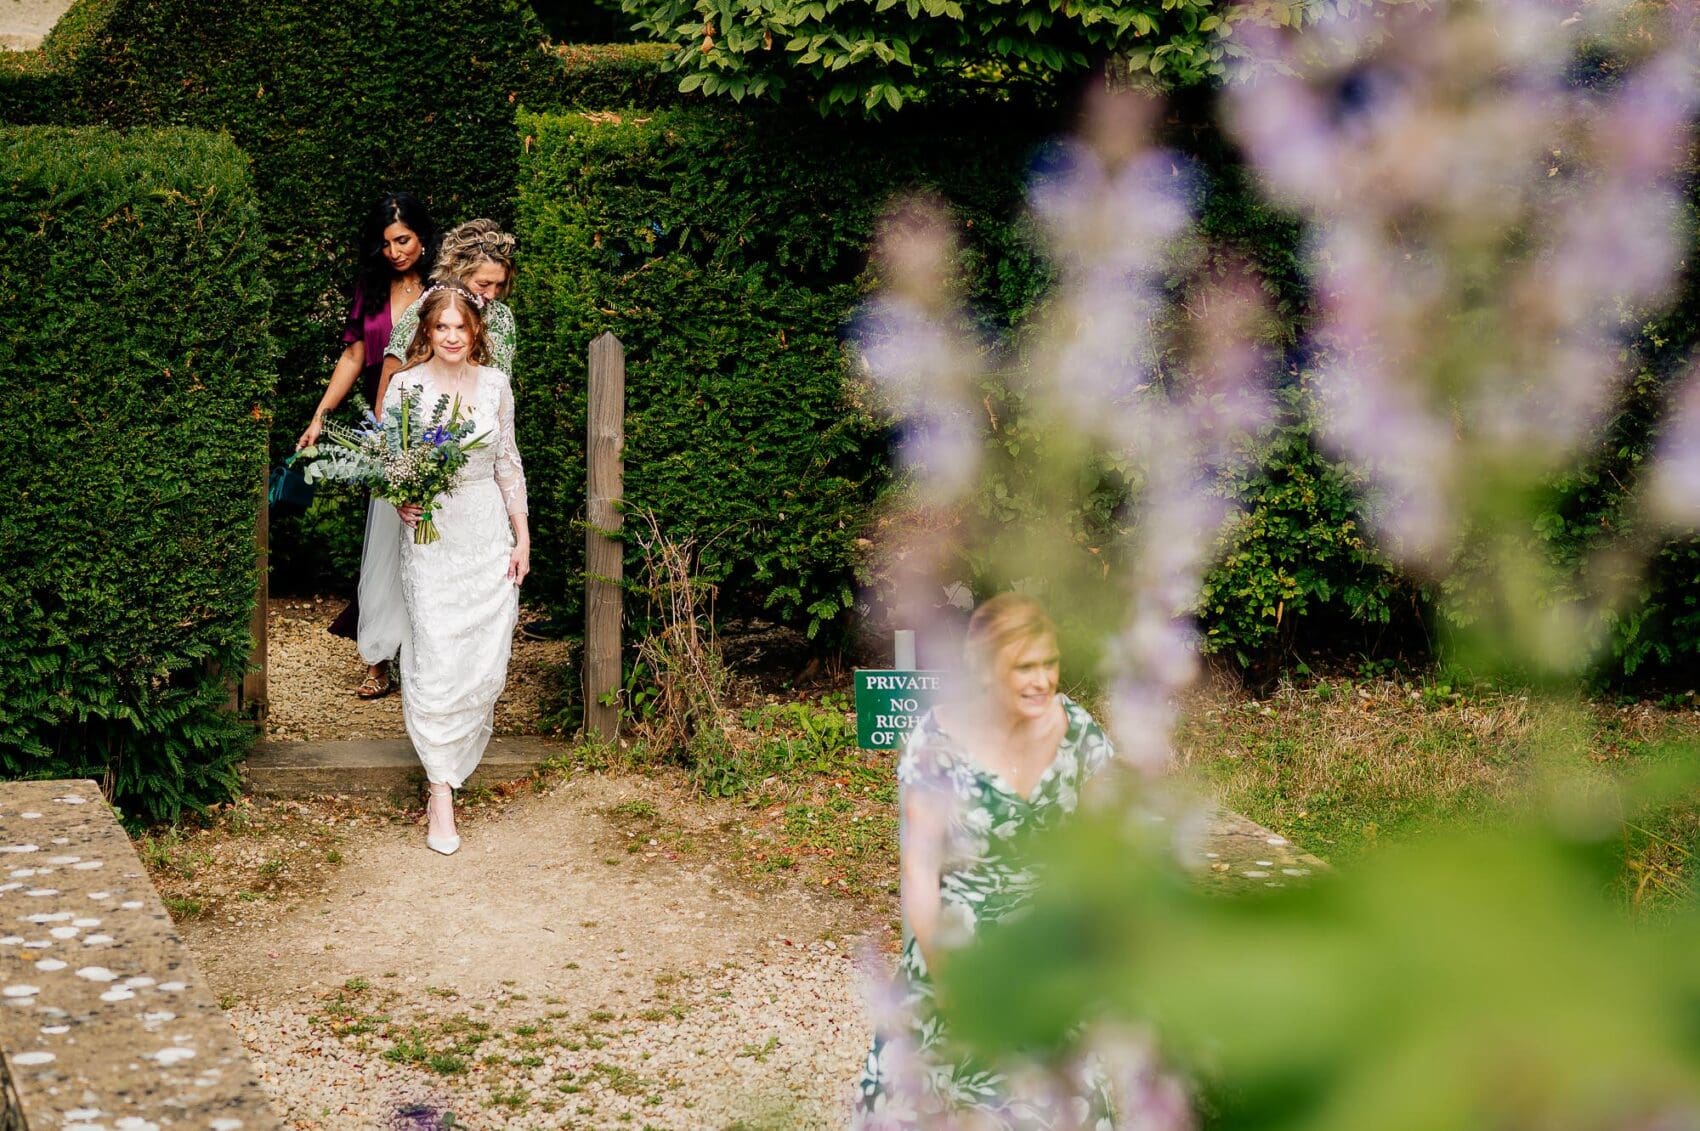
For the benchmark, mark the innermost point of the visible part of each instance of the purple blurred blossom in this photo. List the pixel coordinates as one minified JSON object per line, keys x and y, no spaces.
{"x":905,"y":1071}
{"x":1111,"y":210}
{"x":1673,"y":483}
{"x":1149,"y":1097}
{"x":1143,"y":717}
{"x":1426,"y":143}
{"x":924,"y":366}
{"x":914,"y":343}
{"x":1107,"y":219}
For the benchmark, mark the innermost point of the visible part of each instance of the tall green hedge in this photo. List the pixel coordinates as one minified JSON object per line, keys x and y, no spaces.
{"x":335,"y":102}
{"x":724,"y":251}
{"x":138,"y":363}
{"x":727,"y":249}
{"x":606,"y":76}
{"x":32,"y":91}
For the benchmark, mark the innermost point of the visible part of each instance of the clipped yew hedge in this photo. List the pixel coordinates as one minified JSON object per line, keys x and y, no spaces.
{"x":336,"y":102}
{"x":726,"y":251}
{"x":139,"y":364}
{"x":726,"y":247}
{"x":607,"y":76}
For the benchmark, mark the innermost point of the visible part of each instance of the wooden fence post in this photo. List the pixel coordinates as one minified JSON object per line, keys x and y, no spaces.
{"x":604,"y":557}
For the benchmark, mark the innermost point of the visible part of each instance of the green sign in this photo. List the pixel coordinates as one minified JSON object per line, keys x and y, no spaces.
{"x":890,"y":704}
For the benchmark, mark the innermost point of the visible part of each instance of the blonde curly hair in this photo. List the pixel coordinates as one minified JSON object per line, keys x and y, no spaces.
{"x":1004,"y":621}
{"x":467,"y":246}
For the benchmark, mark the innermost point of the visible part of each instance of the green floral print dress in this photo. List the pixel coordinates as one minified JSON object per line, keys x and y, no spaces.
{"x":983,"y":879}
{"x":498,"y":329}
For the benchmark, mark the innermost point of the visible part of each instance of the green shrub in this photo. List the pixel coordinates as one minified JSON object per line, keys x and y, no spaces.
{"x":139,"y":361}
{"x":1297,"y":555}
{"x":608,"y":77}
{"x":32,"y":92}
{"x":335,"y":104}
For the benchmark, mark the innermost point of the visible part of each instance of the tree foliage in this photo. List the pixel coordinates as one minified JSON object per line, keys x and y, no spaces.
{"x":873,"y":55}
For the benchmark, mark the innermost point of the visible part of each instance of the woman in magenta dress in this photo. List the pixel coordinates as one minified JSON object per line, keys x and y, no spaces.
{"x":397,"y":245}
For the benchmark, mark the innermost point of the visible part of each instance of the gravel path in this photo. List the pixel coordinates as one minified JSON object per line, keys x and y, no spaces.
{"x":554,"y":973}
{"x":775,"y":1043}
{"x":24,"y":22}
{"x":311,"y":677}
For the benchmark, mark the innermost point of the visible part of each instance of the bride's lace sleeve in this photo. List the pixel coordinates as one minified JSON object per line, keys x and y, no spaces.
{"x":510,"y":472}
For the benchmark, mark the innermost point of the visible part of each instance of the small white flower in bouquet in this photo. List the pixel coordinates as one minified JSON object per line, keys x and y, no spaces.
{"x":402,"y":459}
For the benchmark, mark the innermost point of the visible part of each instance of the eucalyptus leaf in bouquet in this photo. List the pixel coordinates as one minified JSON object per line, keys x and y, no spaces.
{"x":405,"y":459}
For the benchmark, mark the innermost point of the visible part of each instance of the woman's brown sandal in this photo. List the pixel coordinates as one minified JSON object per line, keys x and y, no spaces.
{"x":375,"y":686}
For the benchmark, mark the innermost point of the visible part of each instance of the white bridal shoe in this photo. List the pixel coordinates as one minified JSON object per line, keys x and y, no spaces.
{"x":447,"y":845}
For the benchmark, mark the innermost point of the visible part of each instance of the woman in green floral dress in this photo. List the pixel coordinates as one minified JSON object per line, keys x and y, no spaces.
{"x":975,"y":775}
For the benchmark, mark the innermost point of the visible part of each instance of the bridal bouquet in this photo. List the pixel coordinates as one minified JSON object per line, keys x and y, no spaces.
{"x":403,"y":459}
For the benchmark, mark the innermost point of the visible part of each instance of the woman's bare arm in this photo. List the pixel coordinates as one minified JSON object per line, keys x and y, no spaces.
{"x":392,"y":365}
{"x":347,"y":372}
{"x":922,"y":855}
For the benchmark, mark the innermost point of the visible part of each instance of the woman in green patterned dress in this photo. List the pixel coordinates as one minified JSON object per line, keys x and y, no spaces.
{"x":476,"y":256}
{"x":1012,"y":757}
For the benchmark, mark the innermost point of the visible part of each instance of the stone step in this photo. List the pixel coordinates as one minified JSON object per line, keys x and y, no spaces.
{"x":385,"y":766}
{"x":106,"y":1020}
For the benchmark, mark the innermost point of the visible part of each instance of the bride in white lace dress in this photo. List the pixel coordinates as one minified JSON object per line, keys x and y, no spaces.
{"x":460,"y":593}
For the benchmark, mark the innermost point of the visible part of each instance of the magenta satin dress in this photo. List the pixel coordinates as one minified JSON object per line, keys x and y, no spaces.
{"x":368,"y":322}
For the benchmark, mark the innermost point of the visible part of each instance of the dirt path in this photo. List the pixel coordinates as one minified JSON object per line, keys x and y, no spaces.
{"x":24,"y":22}
{"x":559,"y":971}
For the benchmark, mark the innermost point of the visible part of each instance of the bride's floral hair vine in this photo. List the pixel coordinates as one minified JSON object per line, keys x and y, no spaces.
{"x":476,"y":300}
{"x":431,"y":304}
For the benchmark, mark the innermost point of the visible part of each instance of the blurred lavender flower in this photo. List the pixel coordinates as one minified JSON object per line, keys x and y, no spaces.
{"x":894,"y":1061}
{"x":1673,"y":484}
{"x":914,"y":343}
{"x":1112,"y":209}
{"x":1479,"y":224}
{"x":1119,"y":217}
{"x":1154,"y":1098}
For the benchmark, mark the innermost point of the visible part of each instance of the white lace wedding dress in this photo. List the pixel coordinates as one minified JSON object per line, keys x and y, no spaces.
{"x":460,"y":606}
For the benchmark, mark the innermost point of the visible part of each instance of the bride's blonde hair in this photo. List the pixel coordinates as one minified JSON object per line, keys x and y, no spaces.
{"x":471,"y":307}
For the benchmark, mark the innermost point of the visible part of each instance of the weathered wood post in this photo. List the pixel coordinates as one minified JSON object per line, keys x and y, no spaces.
{"x":903,"y":650}
{"x":604,"y":557}
{"x":253,"y":687}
